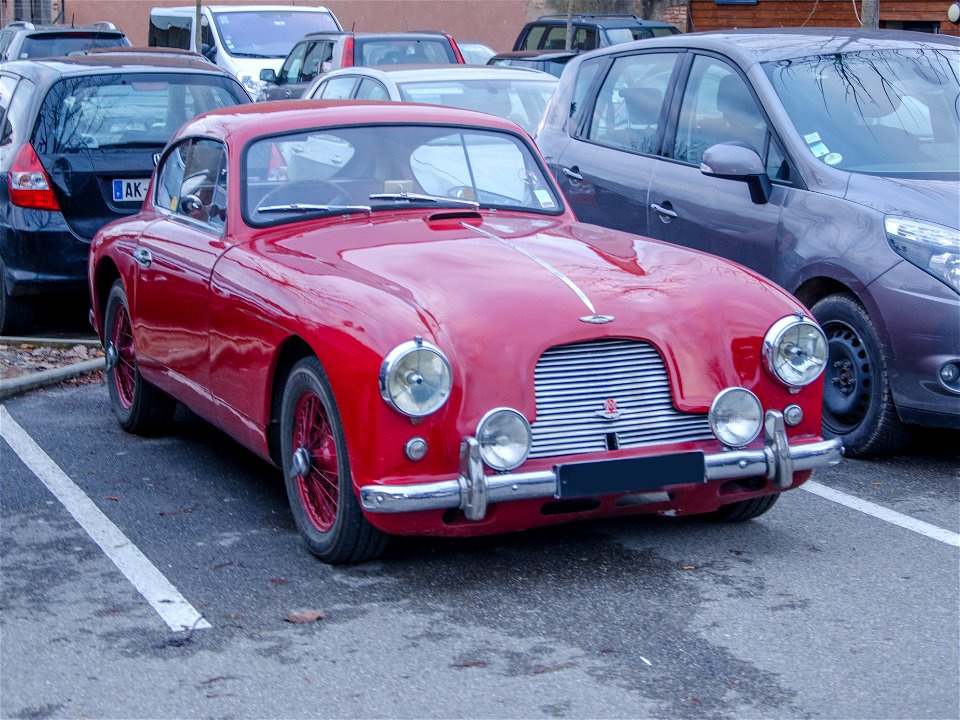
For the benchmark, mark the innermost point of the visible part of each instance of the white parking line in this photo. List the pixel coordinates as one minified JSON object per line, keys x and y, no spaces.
{"x":172,"y":607}
{"x":878,"y":511}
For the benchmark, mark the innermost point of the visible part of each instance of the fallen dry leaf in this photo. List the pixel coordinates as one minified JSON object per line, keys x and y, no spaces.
{"x":308,"y":616}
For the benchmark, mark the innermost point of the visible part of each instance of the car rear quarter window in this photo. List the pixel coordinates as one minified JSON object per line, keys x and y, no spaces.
{"x":630,"y":101}
{"x":532,"y":39}
{"x":16,"y":119}
{"x":371,"y":89}
{"x":117,"y":110}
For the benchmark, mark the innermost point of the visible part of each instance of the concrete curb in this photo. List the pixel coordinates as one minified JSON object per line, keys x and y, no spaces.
{"x":54,"y":342}
{"x":16,"y":385}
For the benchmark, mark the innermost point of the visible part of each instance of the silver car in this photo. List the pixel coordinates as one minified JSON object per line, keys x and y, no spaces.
{"x":517,"y":95}
{"x":826,"y":160}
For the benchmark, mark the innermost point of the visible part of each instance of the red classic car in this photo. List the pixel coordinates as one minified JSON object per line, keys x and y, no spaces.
{"x":393,"y":303}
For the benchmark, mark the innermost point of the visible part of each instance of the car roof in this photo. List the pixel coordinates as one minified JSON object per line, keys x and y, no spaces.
{"x":772,"y":44}
{"x":412,"y":73}
{"x":246,"y":122}
{"x":95,"y":63}
{"x":382,"y":35}
{"x":612,"y":21}
{"x":238,"y":8}
{"x":535,"y":54}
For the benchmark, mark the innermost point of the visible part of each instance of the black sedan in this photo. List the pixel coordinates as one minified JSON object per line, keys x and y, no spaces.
{"x":79,"y":139}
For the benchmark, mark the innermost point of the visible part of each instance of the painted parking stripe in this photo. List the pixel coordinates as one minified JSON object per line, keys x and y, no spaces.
{"x":172,"y":607}
{"x":878,"y":511}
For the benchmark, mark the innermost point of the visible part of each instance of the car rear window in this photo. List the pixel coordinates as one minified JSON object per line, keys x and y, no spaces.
{"x":127,"y":110}
{"x":403,"y":51}
{"x":56,"y":44}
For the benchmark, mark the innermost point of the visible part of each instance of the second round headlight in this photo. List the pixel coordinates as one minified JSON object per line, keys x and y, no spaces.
{"x":736,"y":416}
{"x":504,"y":438}
{"x":795,"y":351}
{"x":415,"y":378}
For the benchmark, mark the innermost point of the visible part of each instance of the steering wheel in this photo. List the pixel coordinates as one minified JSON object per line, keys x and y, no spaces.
{"x":311,"y":192}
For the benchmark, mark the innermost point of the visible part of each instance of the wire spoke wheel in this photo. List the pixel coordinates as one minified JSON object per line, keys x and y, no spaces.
{"x":125,"y":365}
{"x":319,"y":486}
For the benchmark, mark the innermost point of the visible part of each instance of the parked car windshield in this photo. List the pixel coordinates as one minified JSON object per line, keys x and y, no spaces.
{"x":890,"y":112}
{"x":521,"y":101}
{"x":57,"y":44}
{"x":126,"y":110}
{"x":268,"y":33}
{"x":403,"y":51}
{"x":331,"y":170}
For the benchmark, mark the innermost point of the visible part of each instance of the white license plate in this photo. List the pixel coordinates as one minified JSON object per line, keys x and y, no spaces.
{"x":130,"y":190}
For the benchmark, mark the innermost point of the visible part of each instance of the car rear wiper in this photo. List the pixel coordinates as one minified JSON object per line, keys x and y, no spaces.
{"x":309,"y":207}
{"x":416,"y":197}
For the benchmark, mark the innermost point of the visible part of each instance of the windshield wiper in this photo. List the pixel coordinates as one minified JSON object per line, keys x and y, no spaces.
{"x":253,"y":55}
{"x":308,"y":207}
{"x":416,"y":197}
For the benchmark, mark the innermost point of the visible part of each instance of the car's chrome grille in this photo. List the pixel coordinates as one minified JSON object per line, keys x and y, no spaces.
{"x":574,"y":384}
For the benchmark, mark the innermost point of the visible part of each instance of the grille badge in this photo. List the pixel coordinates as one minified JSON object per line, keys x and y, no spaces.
{"x":610,"y":410}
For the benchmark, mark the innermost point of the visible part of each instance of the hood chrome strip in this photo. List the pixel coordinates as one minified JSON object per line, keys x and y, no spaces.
{"x":542,"y":263}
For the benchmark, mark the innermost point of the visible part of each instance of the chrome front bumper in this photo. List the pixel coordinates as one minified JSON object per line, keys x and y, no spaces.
{"x":472,"y":491}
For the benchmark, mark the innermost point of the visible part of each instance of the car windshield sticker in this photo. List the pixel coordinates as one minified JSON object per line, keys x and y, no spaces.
{"x":544,"y":197}
{"x":819,"y":149}
{"x":812,"y":138}
{"x":833,"y":158}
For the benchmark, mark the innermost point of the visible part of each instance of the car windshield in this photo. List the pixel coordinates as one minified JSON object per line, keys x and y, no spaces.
{"x":522,"y":101}
{"x":888,"y":112}
{"x":268,"y":33}
{"x":403,"y":51}
{"x":57,"y":44}
{"x":120,"y":110}
{"x":351,"y":169}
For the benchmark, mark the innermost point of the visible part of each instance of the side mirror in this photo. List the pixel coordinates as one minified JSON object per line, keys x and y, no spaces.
{"x":738,"y":162}
{"x":268,"y":75}
{"x":208,"y":51}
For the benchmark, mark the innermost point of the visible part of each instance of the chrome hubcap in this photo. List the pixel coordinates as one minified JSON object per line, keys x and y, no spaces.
{"x":301,"y":462}
{"x":112,"y":356}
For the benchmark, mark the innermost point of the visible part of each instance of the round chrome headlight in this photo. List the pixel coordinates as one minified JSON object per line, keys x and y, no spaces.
{"x":736,"y":417}
{"x":795,"y":351}
{"x":415,"y":378}
{"x":504,"y":438}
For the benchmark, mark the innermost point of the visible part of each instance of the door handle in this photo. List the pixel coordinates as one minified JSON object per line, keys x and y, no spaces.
{"x":573,"y":173}
{"x":664,"y":212}
{"x":143,"y":257}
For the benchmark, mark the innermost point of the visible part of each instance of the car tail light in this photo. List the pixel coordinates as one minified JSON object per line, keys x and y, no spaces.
{"x":456,"y":48}
{"x":347,"y":52}
{"x":29,"y":183}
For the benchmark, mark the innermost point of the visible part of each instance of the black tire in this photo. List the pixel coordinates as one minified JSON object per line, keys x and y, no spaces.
{"x":140,"y":408}
{"x":857,"y":404}
{"x":16,"y":314}
{"x":316,"y":470}
{"x":745,"y":509}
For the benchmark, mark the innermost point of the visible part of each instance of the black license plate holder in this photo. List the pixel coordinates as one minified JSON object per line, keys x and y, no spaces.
{"x":624,"y":475}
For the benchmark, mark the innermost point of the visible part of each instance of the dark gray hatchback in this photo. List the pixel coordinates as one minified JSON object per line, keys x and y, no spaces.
{"x":826,"y":160}
{"x":79,"y":139}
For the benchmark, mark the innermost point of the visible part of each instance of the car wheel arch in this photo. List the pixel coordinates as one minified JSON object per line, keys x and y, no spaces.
{"x":105,"y":275}
{"x":288,"y":353}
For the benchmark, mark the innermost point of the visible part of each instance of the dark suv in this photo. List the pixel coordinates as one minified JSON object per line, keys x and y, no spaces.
{"x":549,"y":32}
{"x":79,"y":139}
{"x":318,"y":53}
{"x":21,"y":40}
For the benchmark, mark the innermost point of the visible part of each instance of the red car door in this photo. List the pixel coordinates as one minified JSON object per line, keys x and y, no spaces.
{"x":174,"y":259}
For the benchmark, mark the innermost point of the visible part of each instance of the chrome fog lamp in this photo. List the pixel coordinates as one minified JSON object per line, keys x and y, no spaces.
{"x":415,"y":378}
{"x":504,"y":438}
{"x":736,"y":417}
{"x":795,"y":351}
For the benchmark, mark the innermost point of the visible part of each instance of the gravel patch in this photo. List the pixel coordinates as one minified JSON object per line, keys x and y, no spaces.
{"x":24,"y":358}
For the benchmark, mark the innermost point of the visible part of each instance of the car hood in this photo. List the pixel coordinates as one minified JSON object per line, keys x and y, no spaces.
{"x":495,"y":295}
{"x":932,"y":200}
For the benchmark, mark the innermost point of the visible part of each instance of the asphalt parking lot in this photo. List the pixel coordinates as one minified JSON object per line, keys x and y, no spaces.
{"x":838,"y":603}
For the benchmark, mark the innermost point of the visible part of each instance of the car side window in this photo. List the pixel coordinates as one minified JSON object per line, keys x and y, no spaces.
{"x":585,"y":39}
{"x":7,"y":85}
{"x":339,"y":88}
{"x":170,"y":177}
{"x":532,"y":40}
{"x":556,"y":38}
{"x":630,"y":102}
{"x":717,"y":107}
{"x":5,"y":37}
{"x":290,"y":70}
{"x":317,"y":54}
{"x":203,"y":194}
{"x":371,"y":89}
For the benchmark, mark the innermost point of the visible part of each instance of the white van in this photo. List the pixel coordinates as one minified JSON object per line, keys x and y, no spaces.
{"x":242,"y":39}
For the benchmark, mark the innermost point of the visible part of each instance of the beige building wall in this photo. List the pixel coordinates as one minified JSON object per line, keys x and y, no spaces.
{"x":493,"y":22}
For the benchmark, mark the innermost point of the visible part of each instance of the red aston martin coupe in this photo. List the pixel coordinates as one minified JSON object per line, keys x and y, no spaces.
{"x":394,"y":304}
